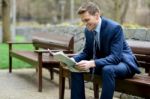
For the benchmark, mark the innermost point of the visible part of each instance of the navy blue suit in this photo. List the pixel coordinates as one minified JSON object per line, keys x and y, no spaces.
{"x":114,"y":59}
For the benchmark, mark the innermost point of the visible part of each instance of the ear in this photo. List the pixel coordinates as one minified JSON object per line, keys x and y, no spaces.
{"x":97,"y":15}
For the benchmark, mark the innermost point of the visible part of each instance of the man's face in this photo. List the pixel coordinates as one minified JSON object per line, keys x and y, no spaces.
{"x":89,"y":20}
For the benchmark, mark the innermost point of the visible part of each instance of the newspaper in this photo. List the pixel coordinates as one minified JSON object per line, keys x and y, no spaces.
{"x":62,"y":57}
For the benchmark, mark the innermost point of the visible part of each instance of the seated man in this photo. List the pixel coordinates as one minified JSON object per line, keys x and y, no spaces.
{"x":105,"y":53}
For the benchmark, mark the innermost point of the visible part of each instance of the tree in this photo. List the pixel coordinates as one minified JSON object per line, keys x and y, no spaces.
{"x":120,"y":9}
{"x":124,"y":10}
{"x":6,"y":20}
{"x":117,"y":7}
{"x":55,"y":11}
{"x":71,"y":9}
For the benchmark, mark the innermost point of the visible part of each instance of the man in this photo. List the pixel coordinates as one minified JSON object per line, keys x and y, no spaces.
{"x":105,"y":53}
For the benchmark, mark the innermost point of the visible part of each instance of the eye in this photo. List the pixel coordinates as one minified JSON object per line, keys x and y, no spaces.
{"x":85,"y":20}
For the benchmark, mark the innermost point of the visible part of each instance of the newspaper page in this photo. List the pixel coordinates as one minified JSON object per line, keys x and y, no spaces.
{"x":60,"y":56}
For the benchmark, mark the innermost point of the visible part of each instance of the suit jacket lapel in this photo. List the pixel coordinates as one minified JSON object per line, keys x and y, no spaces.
{"x":102,"y":29}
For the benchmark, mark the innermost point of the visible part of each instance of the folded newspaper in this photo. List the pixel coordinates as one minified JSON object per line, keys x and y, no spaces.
{"x":62,"y":57}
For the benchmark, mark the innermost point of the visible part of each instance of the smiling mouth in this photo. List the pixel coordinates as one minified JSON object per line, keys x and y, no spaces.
{"x":89,"y":25}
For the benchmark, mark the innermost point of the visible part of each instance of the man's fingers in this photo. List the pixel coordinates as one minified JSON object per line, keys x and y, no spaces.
{"x":80,"y":68}
{"x":77,"y":67}
{"x":81,"y":63}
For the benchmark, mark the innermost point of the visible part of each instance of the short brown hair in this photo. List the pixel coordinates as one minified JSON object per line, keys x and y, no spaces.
{"x":91,"y":7}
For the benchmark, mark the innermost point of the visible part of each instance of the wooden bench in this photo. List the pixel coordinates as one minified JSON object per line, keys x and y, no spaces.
{"x":139,"y":85}
{"x":41,"y":58}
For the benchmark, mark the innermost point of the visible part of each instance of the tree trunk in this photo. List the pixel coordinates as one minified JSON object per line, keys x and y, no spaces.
{"x":13,"y":18}
{"x":117,"y":8}
{"x":71,"y":10}
{"x":123,"y":15}
{"x":55,"y":11}
{"x":6,"y":20}
{"x":62,"y":9}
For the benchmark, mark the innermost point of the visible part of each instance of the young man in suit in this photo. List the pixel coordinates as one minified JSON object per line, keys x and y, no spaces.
{"x":105,"y":53}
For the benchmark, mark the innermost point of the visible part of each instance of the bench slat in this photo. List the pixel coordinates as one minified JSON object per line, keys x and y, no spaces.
{"x":140,"y":79}
{"x":139,"y":50}
{"x":52,"y":41}
{"x":32,"y":57}
{"x":144,"y":58}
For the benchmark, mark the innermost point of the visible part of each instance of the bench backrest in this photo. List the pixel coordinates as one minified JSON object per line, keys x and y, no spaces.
{"x":53,"y":41}
{"x":142,"y":53}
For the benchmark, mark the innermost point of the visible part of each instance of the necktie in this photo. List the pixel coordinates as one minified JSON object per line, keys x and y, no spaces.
{"x":94,"y":53}
{"x":94,"y":44}
{"x":97,"y":39}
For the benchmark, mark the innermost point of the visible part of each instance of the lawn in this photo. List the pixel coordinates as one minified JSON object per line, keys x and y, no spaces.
{"x":16,"y":63}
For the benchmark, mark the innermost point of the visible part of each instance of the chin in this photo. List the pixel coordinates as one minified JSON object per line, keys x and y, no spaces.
{"x":90,"y":29}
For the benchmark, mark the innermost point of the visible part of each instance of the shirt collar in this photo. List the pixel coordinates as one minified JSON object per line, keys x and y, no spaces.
{"x":97,"y":29}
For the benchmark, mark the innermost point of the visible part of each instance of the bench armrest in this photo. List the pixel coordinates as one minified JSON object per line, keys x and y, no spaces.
{"x":41,"y":51}
{"x":11,"y":42}
{"x":65,"y":51}
{"x":47,"y":51}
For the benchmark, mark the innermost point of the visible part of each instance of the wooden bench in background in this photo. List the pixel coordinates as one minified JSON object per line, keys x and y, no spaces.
{"x":41,"y":58}
{"x":139,"y":85}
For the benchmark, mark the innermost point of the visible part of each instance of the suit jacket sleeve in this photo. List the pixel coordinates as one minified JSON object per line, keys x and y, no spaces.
{"x":116,"y":48}
{"x":86,"y":54}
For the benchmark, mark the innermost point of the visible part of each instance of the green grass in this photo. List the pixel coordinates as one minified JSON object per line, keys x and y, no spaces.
{"x":16,"y":63}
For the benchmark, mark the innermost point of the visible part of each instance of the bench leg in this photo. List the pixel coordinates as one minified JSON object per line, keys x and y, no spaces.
{"x":96,"y":90}
{"x":61,"y":84}
{"x":10,"y":58}
{"x":51,"y":73}
{"x":40,"y":72}
{"x":10,"y":64}
{"x":69,"y":82}
{"x":36,"y":69}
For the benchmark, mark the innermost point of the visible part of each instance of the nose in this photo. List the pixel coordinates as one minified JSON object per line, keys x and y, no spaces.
{"x":84,"y":22}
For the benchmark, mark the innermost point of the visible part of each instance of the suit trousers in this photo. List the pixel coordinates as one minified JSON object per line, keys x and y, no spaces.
{"x":108,"y":74}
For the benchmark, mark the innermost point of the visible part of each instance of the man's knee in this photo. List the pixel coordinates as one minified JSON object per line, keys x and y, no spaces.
{"x":107,"y":70}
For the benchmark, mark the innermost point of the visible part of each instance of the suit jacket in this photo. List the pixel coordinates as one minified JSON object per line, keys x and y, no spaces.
{"x":113,"y":47}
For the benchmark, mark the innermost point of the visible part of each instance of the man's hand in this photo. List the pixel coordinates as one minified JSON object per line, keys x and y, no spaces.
{"x":85,"y":65}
